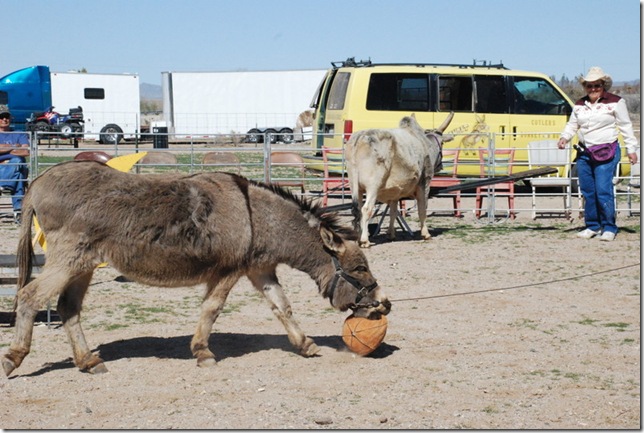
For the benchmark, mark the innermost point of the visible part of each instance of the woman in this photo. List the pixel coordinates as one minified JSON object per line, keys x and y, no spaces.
{"x":596,"y":119}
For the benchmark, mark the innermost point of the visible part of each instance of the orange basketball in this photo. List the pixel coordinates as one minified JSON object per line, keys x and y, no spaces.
{"x":363,"y":336}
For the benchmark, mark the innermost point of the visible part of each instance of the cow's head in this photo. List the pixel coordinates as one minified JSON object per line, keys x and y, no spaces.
{"x":441,"y":129}
{"x":437,"y":135}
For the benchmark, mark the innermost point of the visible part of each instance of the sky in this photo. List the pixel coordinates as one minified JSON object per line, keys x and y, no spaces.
{"x":555,"y":37}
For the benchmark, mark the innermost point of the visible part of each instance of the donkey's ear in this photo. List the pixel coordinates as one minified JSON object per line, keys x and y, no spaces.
{"x":332,"y":241}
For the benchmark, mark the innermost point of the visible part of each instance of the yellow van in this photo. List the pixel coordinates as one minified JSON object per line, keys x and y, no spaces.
{"x":511,"y":106}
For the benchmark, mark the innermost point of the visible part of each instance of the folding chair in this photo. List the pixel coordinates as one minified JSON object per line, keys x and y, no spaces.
{"x":492,"y":165}
{"x":546,"y":153}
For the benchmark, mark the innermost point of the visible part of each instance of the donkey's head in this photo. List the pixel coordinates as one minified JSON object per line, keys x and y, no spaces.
{"x":352,"y":286}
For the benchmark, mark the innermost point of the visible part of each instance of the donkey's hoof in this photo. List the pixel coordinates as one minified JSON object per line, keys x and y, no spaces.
{"x":8,"y":366}
{"x":97,"y":369}
{"x":310,"y":348}
{"x":365,"y":244}
{"x":91,"y":364}
{"x":206,"y":362}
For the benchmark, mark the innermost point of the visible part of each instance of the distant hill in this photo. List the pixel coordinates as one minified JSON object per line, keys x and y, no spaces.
{"x":150,"y":91}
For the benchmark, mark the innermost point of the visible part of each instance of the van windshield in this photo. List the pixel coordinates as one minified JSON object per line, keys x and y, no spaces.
{"x":398,"y":92}
{"x":537,"y":96}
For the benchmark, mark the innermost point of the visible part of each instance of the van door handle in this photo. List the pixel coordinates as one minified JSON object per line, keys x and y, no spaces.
{"x":514,"y":133}
{"x":502,"y":129}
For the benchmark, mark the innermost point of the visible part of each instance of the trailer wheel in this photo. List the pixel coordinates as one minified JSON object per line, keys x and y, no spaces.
{"x":270,"y":134}
{"x":253,"y":136}
{"x":111,"y":134}
{"x":286,"y":135}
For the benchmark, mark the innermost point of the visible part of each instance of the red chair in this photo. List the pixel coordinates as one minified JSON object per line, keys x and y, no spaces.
{"x":447,"y":177}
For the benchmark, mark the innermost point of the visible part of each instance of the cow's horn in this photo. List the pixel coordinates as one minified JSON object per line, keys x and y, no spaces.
{"x":446,"y":123}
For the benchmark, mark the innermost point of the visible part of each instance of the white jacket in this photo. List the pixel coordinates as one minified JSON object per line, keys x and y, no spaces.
{"x":601,"y":122}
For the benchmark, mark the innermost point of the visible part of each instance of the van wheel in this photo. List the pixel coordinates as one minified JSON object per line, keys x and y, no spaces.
{"x":111,"y":134}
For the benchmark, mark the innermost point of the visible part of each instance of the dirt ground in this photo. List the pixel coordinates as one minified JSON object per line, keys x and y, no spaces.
{"x":511,"y":325}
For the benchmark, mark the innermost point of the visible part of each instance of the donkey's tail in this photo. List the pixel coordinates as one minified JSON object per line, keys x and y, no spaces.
{"x":25,"y":253}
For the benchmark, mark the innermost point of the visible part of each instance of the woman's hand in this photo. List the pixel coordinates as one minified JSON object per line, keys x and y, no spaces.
{"x":562,"y":143}
{"x":632,"y":157}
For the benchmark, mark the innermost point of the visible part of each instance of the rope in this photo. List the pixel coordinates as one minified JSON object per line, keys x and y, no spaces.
{"x":514,"y":287}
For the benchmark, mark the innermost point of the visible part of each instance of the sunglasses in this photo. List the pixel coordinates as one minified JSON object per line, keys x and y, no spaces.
{"x":594,"y":86}
{"x":5,"y":116}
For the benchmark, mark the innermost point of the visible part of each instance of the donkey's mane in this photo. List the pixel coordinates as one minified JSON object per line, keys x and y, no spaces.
{"x":309,"y":209}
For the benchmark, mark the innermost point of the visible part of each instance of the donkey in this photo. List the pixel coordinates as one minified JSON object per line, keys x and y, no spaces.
{"x":177,"y":231}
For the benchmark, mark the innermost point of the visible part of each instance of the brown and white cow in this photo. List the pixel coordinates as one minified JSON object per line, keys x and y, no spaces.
{"x":392,"y":164}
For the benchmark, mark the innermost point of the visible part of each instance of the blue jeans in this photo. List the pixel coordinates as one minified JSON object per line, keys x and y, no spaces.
{"x":596,"y":185}
{"x":13,"y":174}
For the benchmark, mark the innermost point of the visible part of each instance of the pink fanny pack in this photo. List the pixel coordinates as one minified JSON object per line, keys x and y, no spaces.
{"x":602,"y":152}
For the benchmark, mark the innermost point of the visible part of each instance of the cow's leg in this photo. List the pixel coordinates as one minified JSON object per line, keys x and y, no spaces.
{"x":70,"y":303}
{"x":421,"y":203}
{"x":269,"y":286}
{"x":393,"y":217}
{"x":212,"y":305}
{"x":50,"y":283}
{"x":367,"y":213}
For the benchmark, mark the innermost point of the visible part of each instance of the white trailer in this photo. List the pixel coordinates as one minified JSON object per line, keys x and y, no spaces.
{"x":196,"y":104}
{"x":111,"y":102}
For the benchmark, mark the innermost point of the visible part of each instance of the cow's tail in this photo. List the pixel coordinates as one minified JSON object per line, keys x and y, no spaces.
{"x":356,"y":212}
{"x":25,"y":253}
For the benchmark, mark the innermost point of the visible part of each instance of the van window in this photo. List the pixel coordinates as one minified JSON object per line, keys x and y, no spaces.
{"x":93,"y":93}
{"x":536,"y":96}
{"x":338,"y":91}
{"x":455,"y":94}
{"x":491,"y":94}
{"x":4,"y":98}
{"x":398,"y":92}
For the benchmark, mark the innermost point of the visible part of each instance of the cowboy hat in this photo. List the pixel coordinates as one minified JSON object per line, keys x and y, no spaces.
{"x":596,"y":73}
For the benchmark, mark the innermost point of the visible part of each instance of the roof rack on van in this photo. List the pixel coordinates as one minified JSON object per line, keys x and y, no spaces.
{"x":351,"y":62}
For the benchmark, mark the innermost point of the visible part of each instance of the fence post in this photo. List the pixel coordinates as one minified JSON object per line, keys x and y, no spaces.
{"x":267,"y":160}
{"x":491,"y":204}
